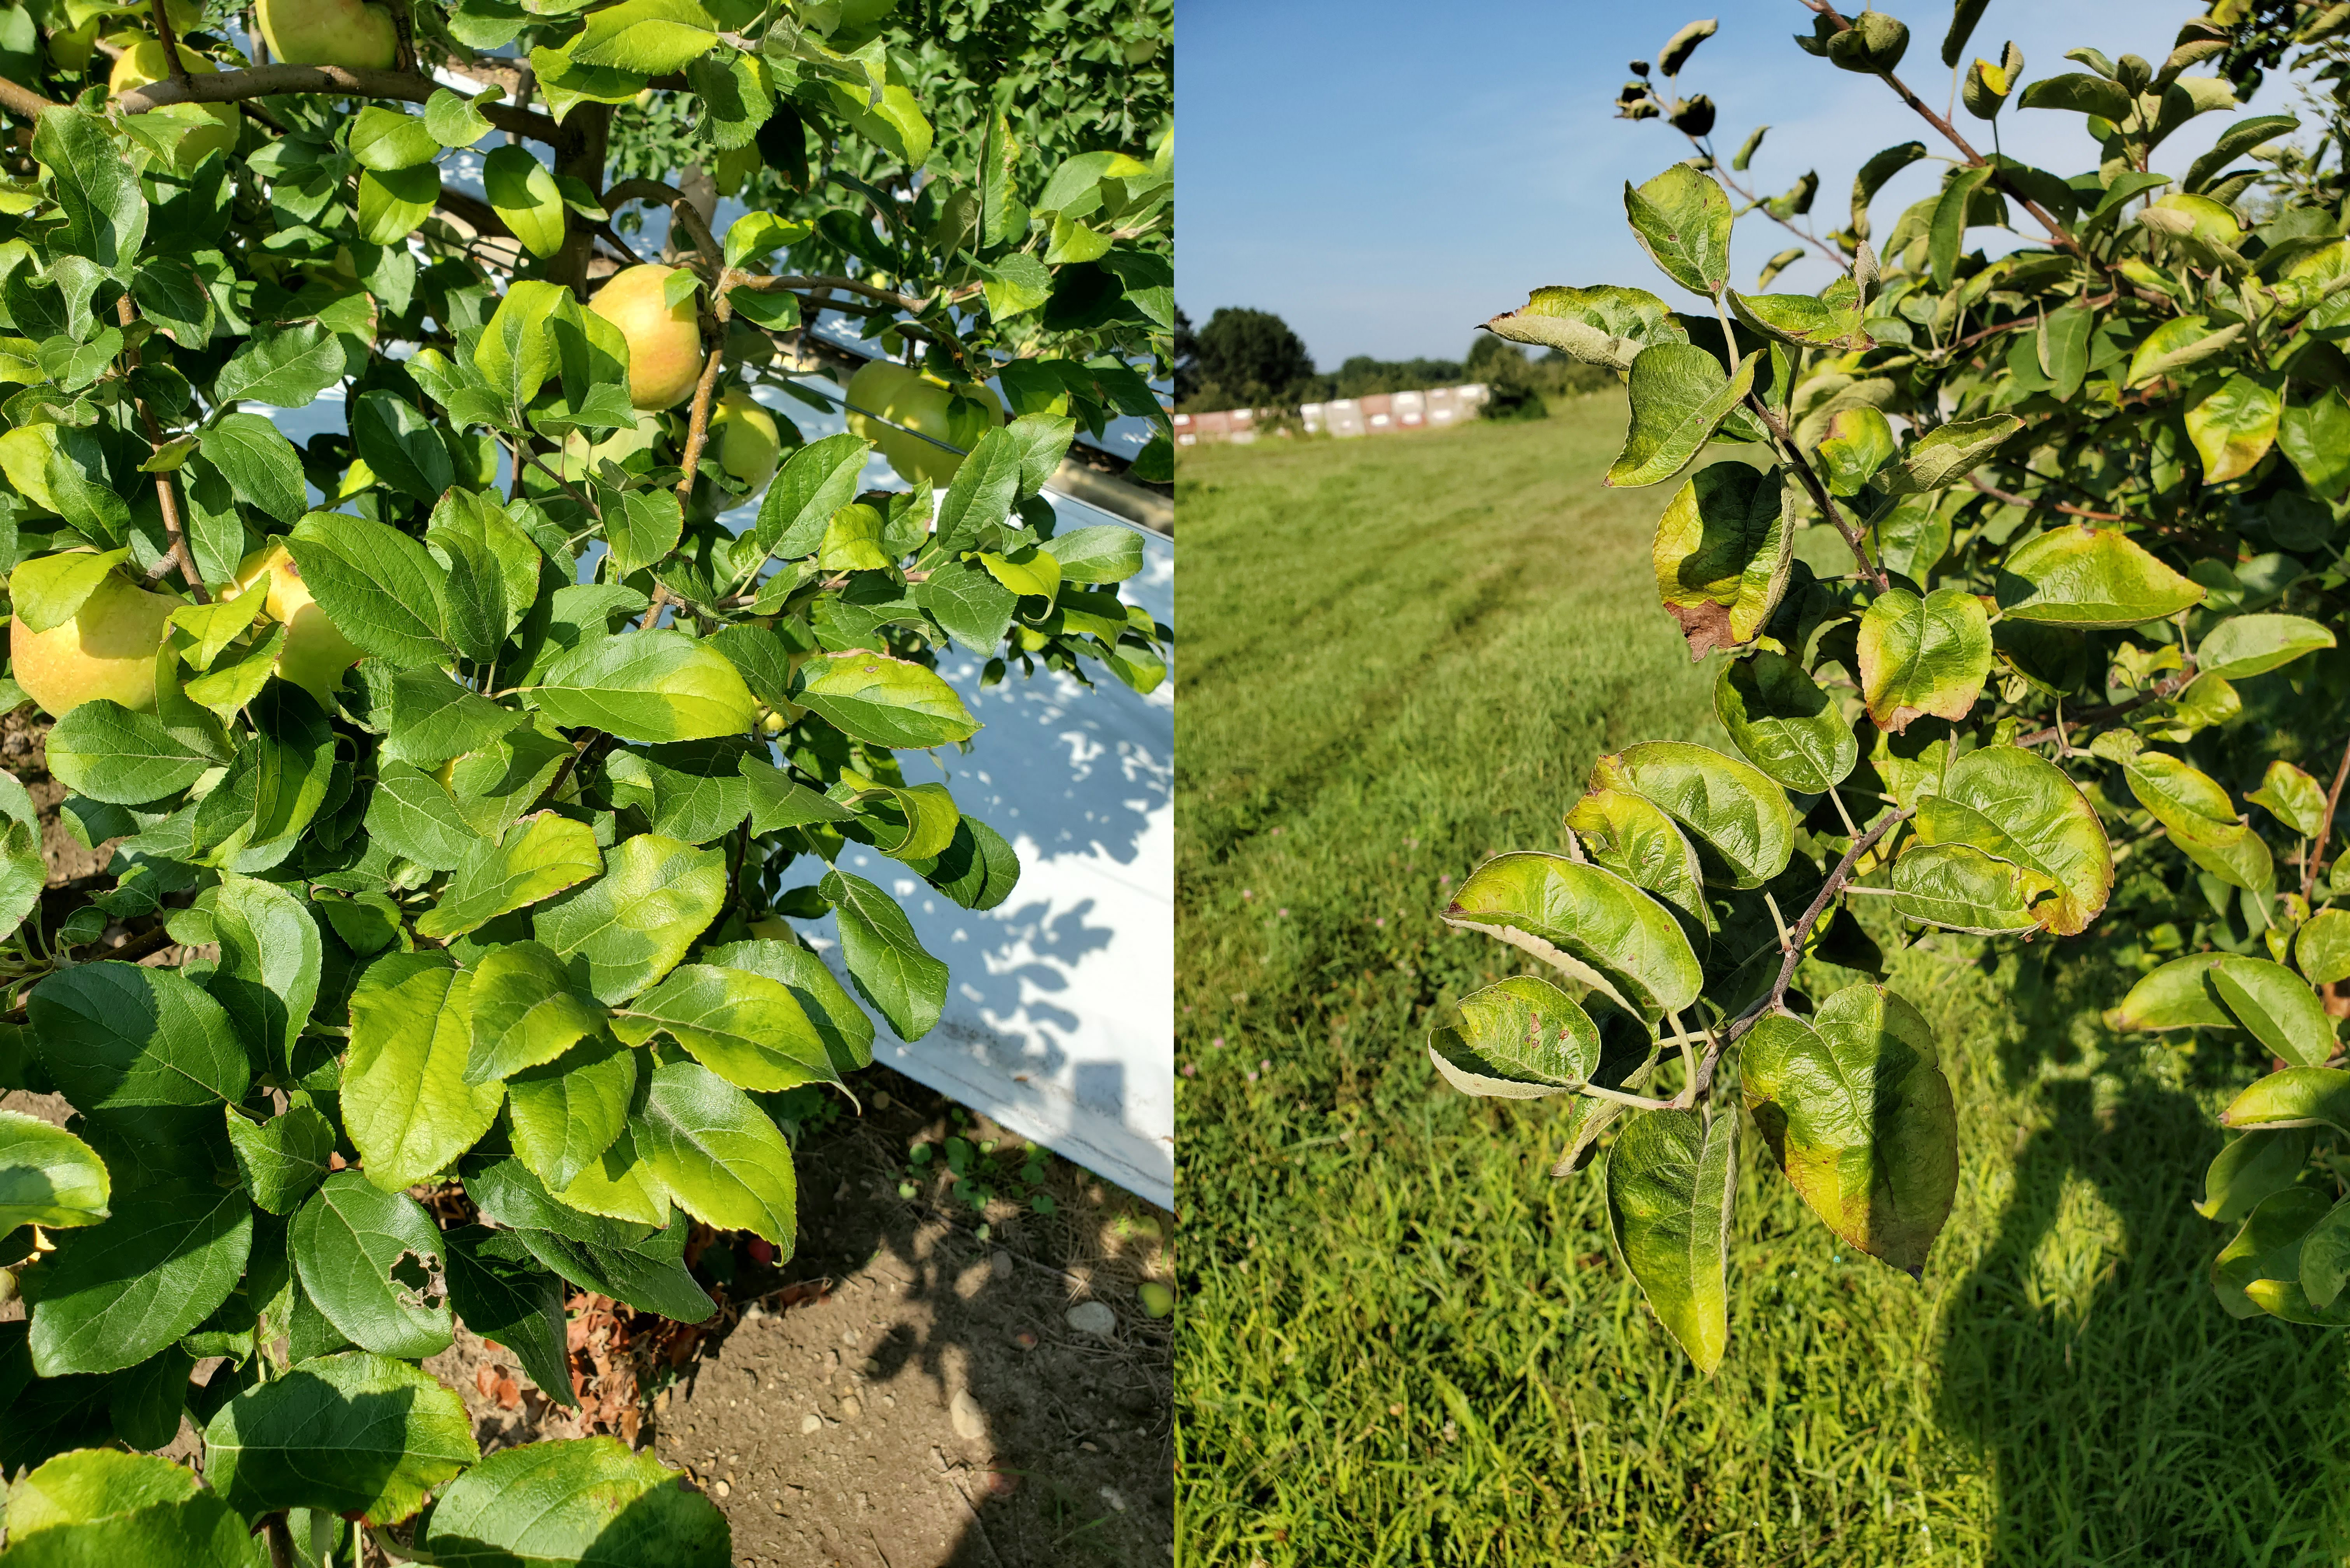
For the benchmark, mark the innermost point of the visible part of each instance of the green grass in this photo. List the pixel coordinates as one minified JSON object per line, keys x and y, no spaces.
{"x":1403,"y":1342}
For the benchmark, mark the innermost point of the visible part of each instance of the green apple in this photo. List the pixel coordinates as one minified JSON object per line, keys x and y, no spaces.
{"x":317,"y":653}
{"x":218,"y":124}
{"x":581,"y":456}
{"x":664,"y":339}
{"x":748,"y":438}
{"x":107,"y":649}
{"x":353,"y":34}
{"x":877,"y":381}
{"x":958,"y":415}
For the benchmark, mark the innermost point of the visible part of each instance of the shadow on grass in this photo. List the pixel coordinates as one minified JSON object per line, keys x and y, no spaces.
{"x":2125,"y":1416}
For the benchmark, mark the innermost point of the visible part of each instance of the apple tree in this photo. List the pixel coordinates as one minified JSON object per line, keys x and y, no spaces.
{"x":465,"y":768}
{"x":2021,"y":569}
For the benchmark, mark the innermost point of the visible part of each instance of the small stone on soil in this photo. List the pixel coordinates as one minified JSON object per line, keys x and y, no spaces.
{"x":1001,"y":1263}
{"x":811,"y":1423}
{"x":1093,"y":1317}
{"x":970,"y":1421}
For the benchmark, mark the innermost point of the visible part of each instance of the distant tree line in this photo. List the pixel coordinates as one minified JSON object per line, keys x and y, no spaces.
{"x":1250,"y":358}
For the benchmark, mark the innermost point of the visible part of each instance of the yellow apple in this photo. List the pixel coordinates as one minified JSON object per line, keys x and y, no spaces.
{"x":664,"y":339}
{"x":316,"y":653}
{"x":107,"y":649}
{"x":960,"y":416}
{"x":747,"y":438}
{"x":217,"y":123}
{"x":347,"y":33}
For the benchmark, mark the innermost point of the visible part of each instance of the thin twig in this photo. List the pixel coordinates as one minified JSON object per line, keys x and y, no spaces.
{"x":1984,"y":485}
{"x":166,"y":500}
{"x":1819,"y":492}
{"x":267,"y":81}
{"x":2325,"y":827}
{"x":171,"y":41}
{"x":697,"y":431}
{"x":2161,"y":691}
{"x":1803,"y":933}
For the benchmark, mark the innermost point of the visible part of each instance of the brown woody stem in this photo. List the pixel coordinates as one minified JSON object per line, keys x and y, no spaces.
{"x":167,"y":501}
{"x":267,"y":81}
{"x":1818,"y":491}
{"x":1793,"y":950}
{"x":2324,"y":827}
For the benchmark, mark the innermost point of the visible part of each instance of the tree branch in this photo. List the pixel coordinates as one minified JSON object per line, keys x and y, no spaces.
{"x":2325,"y":827}
{"x":267,"y":81}
{"x":697,"y":431}
{"x":22,"y":100}
{"x":166,"y":499}
{"x":2161,"y":691}
{"x":1794,"y":950}
{"x":1819,"y":492}
{"x":2047,"y":220}
{"x":2025,"y":501}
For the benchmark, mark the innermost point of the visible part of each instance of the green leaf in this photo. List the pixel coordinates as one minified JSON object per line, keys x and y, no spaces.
{"x":2081,"y":93}
{"x":94,"y":1484}
{"x":886,"y":961}
{"x":534,"y":858}
{"x":524,"y":1012}
{"x":433,"y":719}
{"x":1946,"y":230}
{"x":200,"y":1530}
{"x":973,"y":607}
{"x":517,"y":352}
{"x":96,"y":188}
{"x":2177,"y":995}
{"x":647,"y":37}
{"x":392,"y":204}
{"x":1947,"y":453}
{"x":1723,"y":551}
{"x":2245,"y":644}
{"x":119,"y":1291}
{"x":2294,"y":1097}
{"x":1586,"y":921}
{"x":1606,"y":325}
{"x":628,"y":927}
{"x":269,"y":965}
{"x":356,"y":1434}
{"x":648,"y":686}
{"x":1671,"y":1183}
{"x":500,"y":1292}
{"x":2252,"y":1166}
{"x":380,"y":587}
{"x":719,"y":1155}
{"x":2293,"y":797}
{"x":1964,"y":888}
{"x":1680,"y":394}
{"x":815,"y":482}
{"x":584,"y":1500}
{"x":1682,"y":220}
{"x":644,"y":528}
{"x":47,"y":1175}
{"x":399,"y":444}
{"x":1859,"y":441}
{"x":1518,"y":1039}
{"x":2018,"y":806}
{"x":366,"y":1257}
{"x":49,"y":590}
{"x":746,"y":1028}
{"x":1854,"y":1108}
{"x":121,"y":1036}
{"x":103,"y":750}
{"x":2324,"y":1265}
{"x":406,"y":1105}
{"x":1784,"y":724}
{"x":2201,"y":820}
{"x":2234,"y":425}
{"x":286,"y":369}
{"x":1632,"y":837}
{"x":1739,"y":820}
{"x":387,"y":140}
{"x":522,"y":192}
{"x":1107,"y":552}
{"x":2260,"y":1270}
{"x":1923,"y":658}
{"x":568,"y":1113}
{"x":847,"y":1032}
{"x":883,"y":701}
{"x":412,"y":812}
{"x":283,"y":1158}
{"x":1829,"y":319}
{"x":2315,"y":439}
{"x":2079,"y":575}
{"x":453,"y":121}
{"x":2176,"y":344}
{"x":2322,"y":946}
{"x":2277,"y":1006}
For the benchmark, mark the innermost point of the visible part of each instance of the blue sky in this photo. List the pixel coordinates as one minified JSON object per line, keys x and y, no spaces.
{"x":1384,"y":176}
